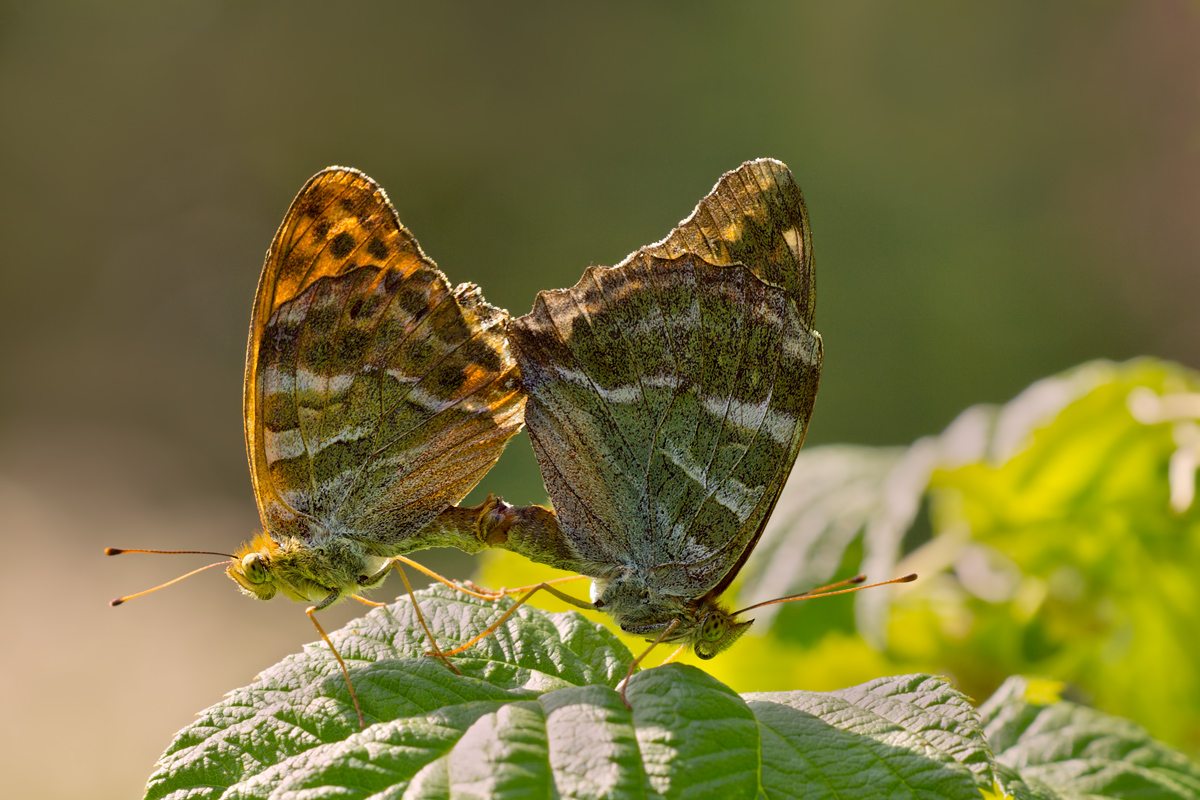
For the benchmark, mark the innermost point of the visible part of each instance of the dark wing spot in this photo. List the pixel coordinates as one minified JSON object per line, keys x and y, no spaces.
{"x":311,"y":205}
{"x":412,"y":301}
{"x":481,"y":354}
{"x":322,"y":317}
{"x":420,"y":356}
{"x":453,"y":331}
{"x":278,"y":339}
{"x":579,"y":328}
{"x":392,"y":282}
{"x":321,"y":228}
{"x":448,"y":379}
{"x":318,"y":357}
{"x":342,"y":245}
{"x":352,"y":346}
{"x":278,"y":410}
{"x":295,"y":261}
{"x":424,"y":277}
{"x":378,"y":249}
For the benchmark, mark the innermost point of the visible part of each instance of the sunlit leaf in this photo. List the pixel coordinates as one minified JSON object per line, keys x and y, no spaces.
{"x":1078,"y":751}
{"x":1063,"y":556}
{"x":536,"y":714}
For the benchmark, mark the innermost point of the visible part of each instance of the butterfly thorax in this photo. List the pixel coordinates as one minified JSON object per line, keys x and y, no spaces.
{"x":701,"y":623}
{"x":308,"y":570}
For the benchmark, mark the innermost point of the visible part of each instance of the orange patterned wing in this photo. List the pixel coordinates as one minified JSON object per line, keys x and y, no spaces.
{"x":375,"y":394}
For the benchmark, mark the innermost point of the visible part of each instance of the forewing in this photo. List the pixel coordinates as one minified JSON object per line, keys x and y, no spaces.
{"x":670,"y":394}
{"x":755,"y":216}
{"x":375,"y":395}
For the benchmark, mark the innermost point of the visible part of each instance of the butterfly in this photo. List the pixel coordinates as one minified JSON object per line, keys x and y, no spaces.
{"x":668,"y":397}
{"x":376,"y":397}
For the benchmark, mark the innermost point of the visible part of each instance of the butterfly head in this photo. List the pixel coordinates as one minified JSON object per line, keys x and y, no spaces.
{"x":717,"y":630}
{"x":700,"y":623}
{"x":312,"y":568}
{"x":252,"y":567}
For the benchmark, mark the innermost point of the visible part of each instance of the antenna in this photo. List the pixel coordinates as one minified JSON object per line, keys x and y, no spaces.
{"x":117,"y":551}
{"x":830,"y":590}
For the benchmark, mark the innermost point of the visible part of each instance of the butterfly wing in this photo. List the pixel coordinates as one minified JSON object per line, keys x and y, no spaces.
{"x":669,"y":395}
{"x":754,"y":216}
{"x":375,"y":395}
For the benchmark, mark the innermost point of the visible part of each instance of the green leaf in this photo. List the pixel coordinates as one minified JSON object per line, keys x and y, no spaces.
{"x":535,"y":713}
{"x":303,"y":702}
{"x":1076,"y":751}
{"x":1060,"y":552}
{"x":835,"y":496}
{"x":1064,"y":542}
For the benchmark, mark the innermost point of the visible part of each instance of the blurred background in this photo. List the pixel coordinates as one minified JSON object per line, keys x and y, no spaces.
{"x":996,"y":193}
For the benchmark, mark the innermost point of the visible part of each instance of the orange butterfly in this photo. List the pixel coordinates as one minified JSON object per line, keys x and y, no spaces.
{"x":376,"y":397}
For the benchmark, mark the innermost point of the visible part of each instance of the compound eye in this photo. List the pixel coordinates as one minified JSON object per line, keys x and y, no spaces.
{"x":254,"y":568}
{"x":713,"y":628}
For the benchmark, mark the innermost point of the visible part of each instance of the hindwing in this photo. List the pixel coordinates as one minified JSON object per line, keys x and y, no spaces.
{"x":375,"y":395}
{"x":669,"y":395}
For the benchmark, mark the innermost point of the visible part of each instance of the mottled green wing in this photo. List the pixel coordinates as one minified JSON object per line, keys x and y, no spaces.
{"x":375,"y":394}
{"x":754,"y":216}
{"x":668,"y":396}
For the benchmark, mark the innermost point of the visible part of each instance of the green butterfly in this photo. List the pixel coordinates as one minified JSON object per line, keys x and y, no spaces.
{"x":668,"y":397}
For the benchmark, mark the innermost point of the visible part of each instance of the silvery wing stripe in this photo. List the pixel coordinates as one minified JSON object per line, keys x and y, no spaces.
{"x":499,"y":414}
{"x":312,"y":384}
{"x":294,"y":443}
{"x":573,"y":423}
{"x":283,"y":445}
{"x":402,"y":377}
{"x":738,"y":497}
{"x":795,"y":242}
{"x":673,"y":382}
{"x":734,"y":496}
{"x":700,"y":533}
{"x":625,"y":393}
{"x":277,"y":381}
{"x":778,"y":425}
{"x":804,"y":348}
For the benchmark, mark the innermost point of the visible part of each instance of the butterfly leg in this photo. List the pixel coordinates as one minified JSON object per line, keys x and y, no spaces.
{"x":474,"y":528}
{"x":312,"y":615}
{"x":633,"y":664}
{"x":417,"y":608}
{"x":566,"y":598}
{"x":483,"y":594}
{"x":396,"y":562}
{"x":674,"y":655}
{"x":496,"y":594}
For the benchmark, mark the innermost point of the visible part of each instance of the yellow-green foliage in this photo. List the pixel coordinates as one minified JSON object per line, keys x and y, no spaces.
{"x":1055,"y":550}
{"x":1104,"y":592}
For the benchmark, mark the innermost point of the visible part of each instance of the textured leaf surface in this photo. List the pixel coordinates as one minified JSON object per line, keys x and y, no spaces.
{"x":535,"y":714}
{"x":835,"y":496}
{"x":1060,"y":550}
{"x":1065,"y":541}
{"x":1080,"y":752}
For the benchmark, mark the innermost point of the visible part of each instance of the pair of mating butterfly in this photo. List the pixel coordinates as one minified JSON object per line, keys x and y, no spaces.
{"x":666,"y":399}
